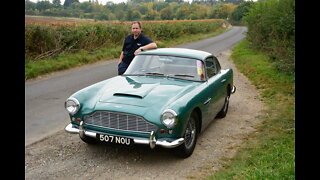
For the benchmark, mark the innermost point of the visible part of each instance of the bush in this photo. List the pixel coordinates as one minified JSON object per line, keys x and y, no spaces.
{"x":271,"y":28}
{"x":43,"y":40}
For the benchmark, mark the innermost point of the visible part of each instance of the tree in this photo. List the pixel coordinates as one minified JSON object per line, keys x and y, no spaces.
{"x":183,"y":12}
{"x":132,"y":15}
{"x":271,"y":27}
{"x":242,"y":10}
{"x":86,"y":7}
{"x":56,"y":3}
{"x":142,"y":8}
{"x":151,"y":15}
{"x":158,"y":6}
{"x":174,"y":1}
{"x":166,"y":13}
{"x":30,"y":5}
{"x":68,"y":3}
{"x":223,"y":11}
{"x":43,"y":5}
{"x":199,"y":11}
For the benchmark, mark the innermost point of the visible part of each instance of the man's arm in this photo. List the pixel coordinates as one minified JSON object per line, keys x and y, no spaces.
{"x":121,"y":57}
{"x":146,"y":47}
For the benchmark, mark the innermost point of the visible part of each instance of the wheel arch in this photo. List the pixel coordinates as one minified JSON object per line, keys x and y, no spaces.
{"x":197,"y":110}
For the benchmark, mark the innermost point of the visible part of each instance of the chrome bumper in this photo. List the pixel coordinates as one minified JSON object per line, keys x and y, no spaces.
{"x":233,"y":90}
{"x":152,"y":141}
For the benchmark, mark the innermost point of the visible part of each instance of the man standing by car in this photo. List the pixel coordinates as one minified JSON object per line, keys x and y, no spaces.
{"x":133,"y":44}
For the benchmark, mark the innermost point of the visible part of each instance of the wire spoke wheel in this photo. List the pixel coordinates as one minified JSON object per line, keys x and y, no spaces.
{"x":190,"y":134}
{"x":190,"y":137}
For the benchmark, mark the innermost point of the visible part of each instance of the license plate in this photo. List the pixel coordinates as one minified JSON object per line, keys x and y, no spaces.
{"x":115,"y":139}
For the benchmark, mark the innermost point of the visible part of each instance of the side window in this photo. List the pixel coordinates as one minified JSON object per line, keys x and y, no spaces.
{"x":217,"y":64}
{"x":210,"y":67}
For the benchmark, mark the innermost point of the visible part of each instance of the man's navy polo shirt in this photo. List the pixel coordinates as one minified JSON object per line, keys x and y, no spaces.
{"x":130,"y":45}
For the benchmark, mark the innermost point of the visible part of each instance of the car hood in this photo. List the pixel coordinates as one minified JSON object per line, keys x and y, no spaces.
{"x":143,"y":91}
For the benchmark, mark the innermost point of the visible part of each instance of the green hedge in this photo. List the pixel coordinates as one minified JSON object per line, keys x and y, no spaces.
{"x":271,"y":27}
{"x":44,"y":40}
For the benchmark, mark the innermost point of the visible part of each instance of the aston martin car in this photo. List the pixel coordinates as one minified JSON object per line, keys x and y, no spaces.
{"x":166,"y":97}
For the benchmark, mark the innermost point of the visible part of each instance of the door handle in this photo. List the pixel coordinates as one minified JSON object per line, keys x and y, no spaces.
{"x":223,"y":80}
{"x":207,"y":101}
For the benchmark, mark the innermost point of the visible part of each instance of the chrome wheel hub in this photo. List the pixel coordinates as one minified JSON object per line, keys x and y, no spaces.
{"x":190,"y":134}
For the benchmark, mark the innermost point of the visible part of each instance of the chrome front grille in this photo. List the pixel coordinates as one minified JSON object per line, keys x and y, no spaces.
{"x":119,"y":121}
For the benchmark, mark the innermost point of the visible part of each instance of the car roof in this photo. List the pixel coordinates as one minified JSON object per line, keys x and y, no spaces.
{"x":181,"y":52}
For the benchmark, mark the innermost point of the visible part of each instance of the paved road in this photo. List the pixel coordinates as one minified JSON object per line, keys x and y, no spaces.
{"x":44,"y":97}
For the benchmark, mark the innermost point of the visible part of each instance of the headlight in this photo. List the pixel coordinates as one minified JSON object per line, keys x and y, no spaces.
{"x":169,"y":118}
{"x":72,"y":105}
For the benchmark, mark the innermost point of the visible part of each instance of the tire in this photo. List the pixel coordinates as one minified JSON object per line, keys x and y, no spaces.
{"x":190,"y":136}
{"x":89,"y":140}
{"x":225,"y":107}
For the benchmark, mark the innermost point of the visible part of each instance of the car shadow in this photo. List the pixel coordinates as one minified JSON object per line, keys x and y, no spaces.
{"x":135,"y":153}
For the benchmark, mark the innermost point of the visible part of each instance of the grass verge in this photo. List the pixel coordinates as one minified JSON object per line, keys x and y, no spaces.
{"x":64,"y":61}
{"x":269,"y":153}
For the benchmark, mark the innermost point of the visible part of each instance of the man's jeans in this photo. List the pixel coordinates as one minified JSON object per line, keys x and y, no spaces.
{"x":122,"y":67}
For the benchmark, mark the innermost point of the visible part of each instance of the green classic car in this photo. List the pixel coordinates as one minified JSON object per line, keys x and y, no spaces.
{"x":165,"y":98}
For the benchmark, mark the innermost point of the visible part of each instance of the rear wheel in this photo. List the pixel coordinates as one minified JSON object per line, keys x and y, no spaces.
{"x":225,"y":107}
{"x":190,"y":137}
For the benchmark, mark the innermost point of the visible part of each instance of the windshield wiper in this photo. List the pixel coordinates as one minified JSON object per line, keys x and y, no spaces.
{"x":184,"y":75}
{"x":133,"y":74}
{"x":154,"y":73}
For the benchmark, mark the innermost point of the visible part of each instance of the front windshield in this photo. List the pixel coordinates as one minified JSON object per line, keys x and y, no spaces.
{"x":170,"y":66}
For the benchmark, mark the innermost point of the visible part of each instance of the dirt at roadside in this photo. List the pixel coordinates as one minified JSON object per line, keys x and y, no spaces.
{"x":65,"y":156}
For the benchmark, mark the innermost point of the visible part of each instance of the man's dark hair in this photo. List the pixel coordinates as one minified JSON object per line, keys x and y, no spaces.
{"x":137,"y":22}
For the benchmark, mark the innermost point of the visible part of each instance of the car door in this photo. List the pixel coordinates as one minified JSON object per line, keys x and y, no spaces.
{"x":221,"y":84}
{"x":213,"y":90}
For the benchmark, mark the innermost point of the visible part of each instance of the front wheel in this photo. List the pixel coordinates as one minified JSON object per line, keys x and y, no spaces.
{"x":190,"y":138}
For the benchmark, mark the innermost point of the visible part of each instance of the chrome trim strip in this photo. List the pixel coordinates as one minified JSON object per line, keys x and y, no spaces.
{"x":207,"y":101}
{"x":116,"y":129}
{"x":170,"y":111}
{"x":152,"y":142}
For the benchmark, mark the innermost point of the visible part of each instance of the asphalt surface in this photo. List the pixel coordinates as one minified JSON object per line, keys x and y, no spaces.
{"x":45,"y":96}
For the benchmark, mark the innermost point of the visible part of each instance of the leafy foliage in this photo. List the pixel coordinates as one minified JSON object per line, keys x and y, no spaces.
{"x":69,"y":2}
{"x":49,"y":39}
{"x":269,"y":152}
{"x":271,"y":27}
{"x":242,"y":10}
{"x":135,"y":9}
